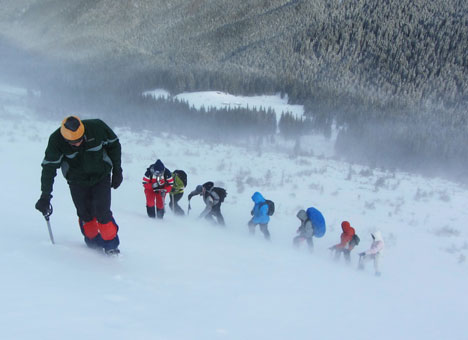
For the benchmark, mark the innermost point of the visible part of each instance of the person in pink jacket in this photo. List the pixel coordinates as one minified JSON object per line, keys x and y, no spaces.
{"x":373,"y":253}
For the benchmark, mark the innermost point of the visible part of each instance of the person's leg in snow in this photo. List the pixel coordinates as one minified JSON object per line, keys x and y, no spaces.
{"x":216,"y":212}
{"x":160,"y":205}
{"x":297,"y":241}
{"x":93,"y":209}
{"x":150,"y":199}
{"x":90,"y":231}
{"x":264,"y":229}
{"x":173,"y":204}
{"x":366,"y":258}
{"x":347,"y":255}
{"x":377,"y":264}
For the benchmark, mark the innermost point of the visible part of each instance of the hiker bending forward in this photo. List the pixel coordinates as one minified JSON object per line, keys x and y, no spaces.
{"x":213,"y":197}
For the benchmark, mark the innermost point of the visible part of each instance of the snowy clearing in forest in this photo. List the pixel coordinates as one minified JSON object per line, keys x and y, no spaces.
{"x":218,"y":99}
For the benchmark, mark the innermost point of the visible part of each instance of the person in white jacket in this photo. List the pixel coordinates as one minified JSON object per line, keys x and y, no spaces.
{"x":373,"y":253}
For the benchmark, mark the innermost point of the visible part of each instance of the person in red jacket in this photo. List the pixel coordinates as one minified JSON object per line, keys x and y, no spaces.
{"x":157,"y":182}
{"x":347,"y":242}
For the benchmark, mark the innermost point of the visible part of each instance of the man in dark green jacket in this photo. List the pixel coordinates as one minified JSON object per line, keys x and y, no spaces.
{"x":88,"y":152}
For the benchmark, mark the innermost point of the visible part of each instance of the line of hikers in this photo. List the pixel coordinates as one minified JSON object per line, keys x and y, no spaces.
{"x":89,"y":154}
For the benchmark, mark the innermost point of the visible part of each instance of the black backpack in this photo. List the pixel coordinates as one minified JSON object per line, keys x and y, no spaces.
{"x":271,"y":207}
{"x":355,"y":240}
{"x":182,"y":175}
{"x":222,"y":193}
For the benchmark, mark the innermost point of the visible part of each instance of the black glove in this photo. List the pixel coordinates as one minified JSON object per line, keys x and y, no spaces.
{"x":117,"y":178}
{"x":362,"y":254}
{"x":43,"y":205}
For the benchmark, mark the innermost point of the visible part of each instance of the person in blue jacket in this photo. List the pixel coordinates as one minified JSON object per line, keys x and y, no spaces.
{"x":259,"y":215}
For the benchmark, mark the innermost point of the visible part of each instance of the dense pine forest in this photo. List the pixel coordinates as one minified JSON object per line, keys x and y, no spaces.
{"x":390,"y":75}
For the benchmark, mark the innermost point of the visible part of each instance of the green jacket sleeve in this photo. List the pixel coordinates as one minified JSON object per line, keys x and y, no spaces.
{"x":50,"y":164}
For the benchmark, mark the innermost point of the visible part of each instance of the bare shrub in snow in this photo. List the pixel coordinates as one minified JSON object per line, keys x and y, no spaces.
{"x":303,"y":162}
{"x":221,"y":166}
{"x":369,"y":205}
{"x":240,"y":185}
{"x":268,"y":177}
{"x":444,"y":196}
{"x":461,"y":258}
{"x":447,"y":231}
{"x":390,"y":240}
{"x":396,"y":184}
{"x":192,"y":152}
{"x":379,"y":183}
{"x":305,"y":173}
{"x":240,"y":178}
{"x":316,"y":187}
{"x":351,"y":172}
{"x":421,"y":194}
{"x":254,"y":182}
{"x":366,"y":173}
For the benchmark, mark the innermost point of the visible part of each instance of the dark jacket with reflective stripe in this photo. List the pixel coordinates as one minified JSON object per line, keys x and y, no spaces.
{"x":87,"y":164}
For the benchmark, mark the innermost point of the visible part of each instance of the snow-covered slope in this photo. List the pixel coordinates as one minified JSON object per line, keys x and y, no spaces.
{"x":184,"y":279}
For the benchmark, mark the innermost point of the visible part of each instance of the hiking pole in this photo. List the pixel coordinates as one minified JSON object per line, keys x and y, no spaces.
{"x":189,"y":207}
{"x":46,"y":216}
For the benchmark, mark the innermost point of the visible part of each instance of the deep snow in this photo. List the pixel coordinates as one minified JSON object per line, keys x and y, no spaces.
{"x":184,"y":279}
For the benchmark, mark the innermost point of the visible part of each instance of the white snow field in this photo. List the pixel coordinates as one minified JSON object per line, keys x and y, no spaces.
{"x":182,"y":278}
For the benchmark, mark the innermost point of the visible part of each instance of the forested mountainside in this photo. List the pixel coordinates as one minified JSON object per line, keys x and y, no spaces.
{"x":349,"y":62}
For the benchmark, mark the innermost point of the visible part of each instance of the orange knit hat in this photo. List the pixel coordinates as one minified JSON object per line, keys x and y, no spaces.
{"x":72,"y":128}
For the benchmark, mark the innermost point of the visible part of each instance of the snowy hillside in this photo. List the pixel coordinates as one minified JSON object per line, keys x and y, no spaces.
{"x":184,"y":279}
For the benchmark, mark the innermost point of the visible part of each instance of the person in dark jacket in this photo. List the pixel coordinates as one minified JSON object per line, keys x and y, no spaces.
{"x":88,"y":152}
{"x":157,"y":182}
{"x":259,"y":215}
{"x":346,"y":243}
{"x":213,"y":197}
{"x":305,"y":230}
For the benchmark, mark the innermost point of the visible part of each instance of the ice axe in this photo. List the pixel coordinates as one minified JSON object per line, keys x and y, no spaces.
{"x":46,"y":216}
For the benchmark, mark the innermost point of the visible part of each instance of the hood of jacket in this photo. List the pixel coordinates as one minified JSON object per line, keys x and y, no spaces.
{"x":377,"y":236}
{"x":347,"y":229}
{"x":302,"y":215}
{"x":257,"y":197}
{"x":208,"y":186}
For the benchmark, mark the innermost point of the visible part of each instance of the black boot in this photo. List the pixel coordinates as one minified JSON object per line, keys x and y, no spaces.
{"x":94,"y":243}
{"x":160,"y":213}
{"x":151,"y":212}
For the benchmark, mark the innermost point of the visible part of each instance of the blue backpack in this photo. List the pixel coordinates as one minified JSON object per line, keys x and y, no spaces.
{"x":318,"y":222}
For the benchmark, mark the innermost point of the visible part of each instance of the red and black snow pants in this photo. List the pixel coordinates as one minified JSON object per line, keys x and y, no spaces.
{"x":95,"y":216}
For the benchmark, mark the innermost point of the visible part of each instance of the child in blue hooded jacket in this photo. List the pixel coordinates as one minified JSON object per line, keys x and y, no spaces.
{"x":259,"y":215}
